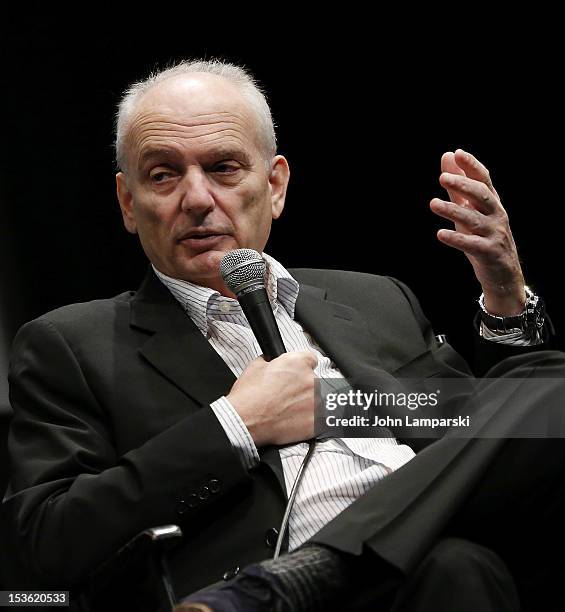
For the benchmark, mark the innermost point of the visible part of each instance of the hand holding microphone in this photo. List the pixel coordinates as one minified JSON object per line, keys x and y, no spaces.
{"x":275,"y":399}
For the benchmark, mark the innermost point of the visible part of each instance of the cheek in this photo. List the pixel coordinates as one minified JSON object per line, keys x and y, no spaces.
{"x":152,"y":222}
{"x":255,"y":219}
{"x":257,"y":202}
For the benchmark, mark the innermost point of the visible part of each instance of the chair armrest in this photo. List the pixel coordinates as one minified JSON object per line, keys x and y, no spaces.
{"x":141,"y":559}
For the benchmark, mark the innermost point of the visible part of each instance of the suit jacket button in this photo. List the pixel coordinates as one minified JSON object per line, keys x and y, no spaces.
{"x":193,"y":500}
{"x":271,"y":537}
{"x":232,"y":573}
{"x":204,"y":493}
{"x":214,"y":485}
{"x":182,"y":507}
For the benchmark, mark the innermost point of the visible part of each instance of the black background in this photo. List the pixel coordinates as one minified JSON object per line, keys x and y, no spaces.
{"x":363,"y":124}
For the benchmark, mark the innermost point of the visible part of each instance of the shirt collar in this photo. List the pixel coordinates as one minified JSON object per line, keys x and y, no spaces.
{"x":202,"y":303}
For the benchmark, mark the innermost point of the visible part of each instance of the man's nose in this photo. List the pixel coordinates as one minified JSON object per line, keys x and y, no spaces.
{"x":196,"y":194}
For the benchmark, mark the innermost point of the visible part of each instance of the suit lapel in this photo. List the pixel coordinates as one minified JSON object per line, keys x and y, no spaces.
{"x":177,"y":348}
{"x":340,"y":331}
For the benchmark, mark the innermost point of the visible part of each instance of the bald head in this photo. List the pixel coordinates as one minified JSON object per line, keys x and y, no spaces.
{"x":199,"y":87}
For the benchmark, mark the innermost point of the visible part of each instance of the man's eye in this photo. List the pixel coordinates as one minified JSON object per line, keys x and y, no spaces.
{"x":225,"y":168}
{"x":159,"y":177}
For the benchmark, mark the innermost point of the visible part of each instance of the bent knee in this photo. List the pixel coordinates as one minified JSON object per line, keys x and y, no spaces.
{"x":455,"y":555}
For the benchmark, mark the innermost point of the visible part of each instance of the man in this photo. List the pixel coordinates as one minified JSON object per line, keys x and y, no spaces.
{"x":155,"y":407}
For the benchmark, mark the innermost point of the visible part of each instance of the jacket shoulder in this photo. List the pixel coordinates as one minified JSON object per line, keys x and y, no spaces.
{"x":87,"y":318}
{"x":356,"y":284}
{"x":366,"y":292}
{"x":325,"y":278}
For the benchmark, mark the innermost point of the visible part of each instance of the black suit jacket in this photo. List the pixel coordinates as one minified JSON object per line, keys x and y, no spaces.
{"x":112,"y":433}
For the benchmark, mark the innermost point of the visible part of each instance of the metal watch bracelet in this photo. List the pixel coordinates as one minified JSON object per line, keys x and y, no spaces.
{"x":529,"y":320}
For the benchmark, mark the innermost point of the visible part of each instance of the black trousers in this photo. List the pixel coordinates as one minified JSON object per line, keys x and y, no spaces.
{"x":503,"y":494}
{"x":457,"y":576}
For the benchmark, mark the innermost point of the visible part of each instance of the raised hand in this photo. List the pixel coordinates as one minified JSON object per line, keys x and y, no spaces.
{"x":482,"y":231}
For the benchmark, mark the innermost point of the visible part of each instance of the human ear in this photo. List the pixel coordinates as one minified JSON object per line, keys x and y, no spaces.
{"x":125,"y":199}
{"x":278,"y":182}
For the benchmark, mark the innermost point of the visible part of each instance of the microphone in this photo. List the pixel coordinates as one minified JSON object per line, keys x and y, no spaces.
{"x":243,"y":271}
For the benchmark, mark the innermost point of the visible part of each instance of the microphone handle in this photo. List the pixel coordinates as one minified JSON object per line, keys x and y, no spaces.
{"x":257,"y":308}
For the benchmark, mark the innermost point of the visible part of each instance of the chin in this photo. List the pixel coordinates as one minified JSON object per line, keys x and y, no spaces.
{"x":211,"y":259}
{"x":202,"y":267}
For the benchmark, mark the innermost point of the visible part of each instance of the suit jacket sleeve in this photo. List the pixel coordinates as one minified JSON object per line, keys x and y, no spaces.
{"x":487,"y":354}
{"x":70,"y":491}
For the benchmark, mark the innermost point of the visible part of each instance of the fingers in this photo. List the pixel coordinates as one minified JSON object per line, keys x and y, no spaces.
{"x":449,"y":165}
{"x":497,"y":252}
{"x":470,"y":244}
{"x":473,"y":191}
{"x":470,"y":219}
{"x":468,"y":181}
{"x":307,"y":357}
{"x":473,"y":168}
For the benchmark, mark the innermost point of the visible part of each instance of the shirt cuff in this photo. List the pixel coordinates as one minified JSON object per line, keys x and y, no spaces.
{"x":514,"y":338}
{"x":236,"y":431}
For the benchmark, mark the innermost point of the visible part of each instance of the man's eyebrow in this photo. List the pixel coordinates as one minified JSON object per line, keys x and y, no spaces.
{"x":151,"y":152}
{"x":224,"y":153}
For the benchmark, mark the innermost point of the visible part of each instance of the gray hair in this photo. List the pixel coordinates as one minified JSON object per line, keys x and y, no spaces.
{"x":244,"y":81}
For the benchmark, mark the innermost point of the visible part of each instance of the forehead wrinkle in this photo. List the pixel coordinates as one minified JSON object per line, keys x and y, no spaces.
{"x":213,"y":137}
{"x":146,"y":140}
{"x":182,"y":132}
{"x":162,"y":123}
{"x":196,"y":120}
{"x":153,"y":131}
{"x":164,"y":115}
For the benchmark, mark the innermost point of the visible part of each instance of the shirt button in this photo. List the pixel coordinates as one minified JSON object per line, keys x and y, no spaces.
{"x":271,"y":537}
{"x":225,"y":307}
{"x":204,"y":493}
{"x":192,"y":501}
{"x":182,"y":507}
{"x":231,"y":573}
{"x":214,"y":485}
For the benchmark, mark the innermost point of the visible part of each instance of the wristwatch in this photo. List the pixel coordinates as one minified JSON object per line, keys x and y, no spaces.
{"x":530,"y":320}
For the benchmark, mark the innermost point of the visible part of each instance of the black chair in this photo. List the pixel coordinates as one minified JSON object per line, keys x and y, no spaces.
{"x":143,"y":562}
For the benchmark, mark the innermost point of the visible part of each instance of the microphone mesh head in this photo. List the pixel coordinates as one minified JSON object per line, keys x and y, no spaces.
{"x":242,"y":267}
